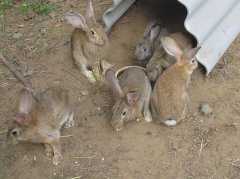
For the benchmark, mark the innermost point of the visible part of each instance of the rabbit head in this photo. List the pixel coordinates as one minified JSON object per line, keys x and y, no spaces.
{"x":145,"y":47}
{"x":94,"y":31}
{"x":125,"y":107}
{"x":24,"y":118}
{"x":184,"y":58}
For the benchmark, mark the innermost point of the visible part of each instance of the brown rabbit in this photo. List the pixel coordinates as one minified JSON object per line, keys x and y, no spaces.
{"x":40,"y":116}
{"x":89,"y":42}
{"x":132,"y":91}
{"x":170,"y":97}
{"x":162,"y":60}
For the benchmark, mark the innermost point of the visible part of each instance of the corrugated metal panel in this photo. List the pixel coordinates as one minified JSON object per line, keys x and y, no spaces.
{"x":118,"y":8}
{"x":214,"y":23}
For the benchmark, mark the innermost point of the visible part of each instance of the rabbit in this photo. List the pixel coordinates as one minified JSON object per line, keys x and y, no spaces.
{"x":89,"y":42}
{"x":132,"y":91}
{"x":162,"y":60}
{"x":40,"y":116}
{"x":146,"y":46}
{"x":170,"y":98}
{"x":40,"y":121}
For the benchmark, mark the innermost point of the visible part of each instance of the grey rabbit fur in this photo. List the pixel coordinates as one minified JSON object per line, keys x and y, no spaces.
{"x":132,"y":91}
{"x":146,"y":46}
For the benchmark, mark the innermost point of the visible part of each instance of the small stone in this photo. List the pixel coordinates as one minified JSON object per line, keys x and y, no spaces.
{"x":76,"y":162}
{"x":103,"y":158}
{"x":84,"y":93}
{"x":17,"y":35}
{"x":205,"y":109}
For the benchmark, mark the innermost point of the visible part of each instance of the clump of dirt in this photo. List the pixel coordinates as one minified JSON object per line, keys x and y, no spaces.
{"x":202,"y":146}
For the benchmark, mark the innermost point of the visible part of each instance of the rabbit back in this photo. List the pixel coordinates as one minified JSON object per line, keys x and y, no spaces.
{"x":54,"y":108}
{"x":169,"y":97}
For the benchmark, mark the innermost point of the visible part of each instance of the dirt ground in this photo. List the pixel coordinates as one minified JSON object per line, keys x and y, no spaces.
{"x":201,"y":147}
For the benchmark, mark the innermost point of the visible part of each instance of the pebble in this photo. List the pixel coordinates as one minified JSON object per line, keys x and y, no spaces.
{"x":205,"y":109}
{"x":17,"y":35}
{"x":84,"y":93}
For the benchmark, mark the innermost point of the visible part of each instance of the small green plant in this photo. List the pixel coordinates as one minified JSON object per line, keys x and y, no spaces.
{"x":25,"y":7}
{"x":5,"y":4}
{"x":42,"y":8}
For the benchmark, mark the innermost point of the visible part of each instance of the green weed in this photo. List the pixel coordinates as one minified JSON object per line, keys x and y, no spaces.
{"x":4,"y":5}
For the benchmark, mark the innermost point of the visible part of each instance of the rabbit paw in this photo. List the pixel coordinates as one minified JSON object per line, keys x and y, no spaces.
{"x":148,"y":116}
{"x":48,"y":151}
{"x":70,"y":122}
{"x":57,"y":158}
{"x":89,"y":75}
{"x":138,"y":119}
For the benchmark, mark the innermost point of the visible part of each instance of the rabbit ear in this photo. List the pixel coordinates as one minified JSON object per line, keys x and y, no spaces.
{"x":132,"y":97}
{"x":171,"y":47}
{"x":76,"y":20}
{"x":149,"y":28}
{"x":90,"y":12}
{"x":155,"y":31}
{"x":189,"y":54}
{"x":26,"y":102}
{"x":22,"y":119}
{"x":113,"y":83}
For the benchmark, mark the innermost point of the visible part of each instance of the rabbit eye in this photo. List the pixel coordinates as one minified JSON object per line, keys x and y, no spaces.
{"x":193,"y":61}
{"x":15,"y":132}
{"x":92,"y":32}
{"x":89,"y":68}
{"x":124,"y":113}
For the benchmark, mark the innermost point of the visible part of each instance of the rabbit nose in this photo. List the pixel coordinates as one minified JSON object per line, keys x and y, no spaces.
{"x":89,"y":68}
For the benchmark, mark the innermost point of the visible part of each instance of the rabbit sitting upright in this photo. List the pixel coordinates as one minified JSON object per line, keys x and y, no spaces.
{"x":89,"y":42}
{"x":40,"y":120}
{"x":145,"y":48}
{"x":132,"y":91}
{"x":169,"y":99}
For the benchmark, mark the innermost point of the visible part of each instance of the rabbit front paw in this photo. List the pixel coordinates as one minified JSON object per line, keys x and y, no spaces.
{"x":70,"y":122}
{"x":148,"y":116}
{"x":90,"y":76}
{"x":48,"y":151}
{"x":57,"y":158}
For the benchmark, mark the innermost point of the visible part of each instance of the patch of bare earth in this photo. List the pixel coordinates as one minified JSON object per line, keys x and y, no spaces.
{"x":200,"y":147}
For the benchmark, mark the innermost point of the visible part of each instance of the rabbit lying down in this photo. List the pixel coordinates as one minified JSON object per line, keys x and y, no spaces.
{"x":40,"y":116}
{"x":132,"y":91}
{"x":89,"y":42}
{"x":40,"y":121}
